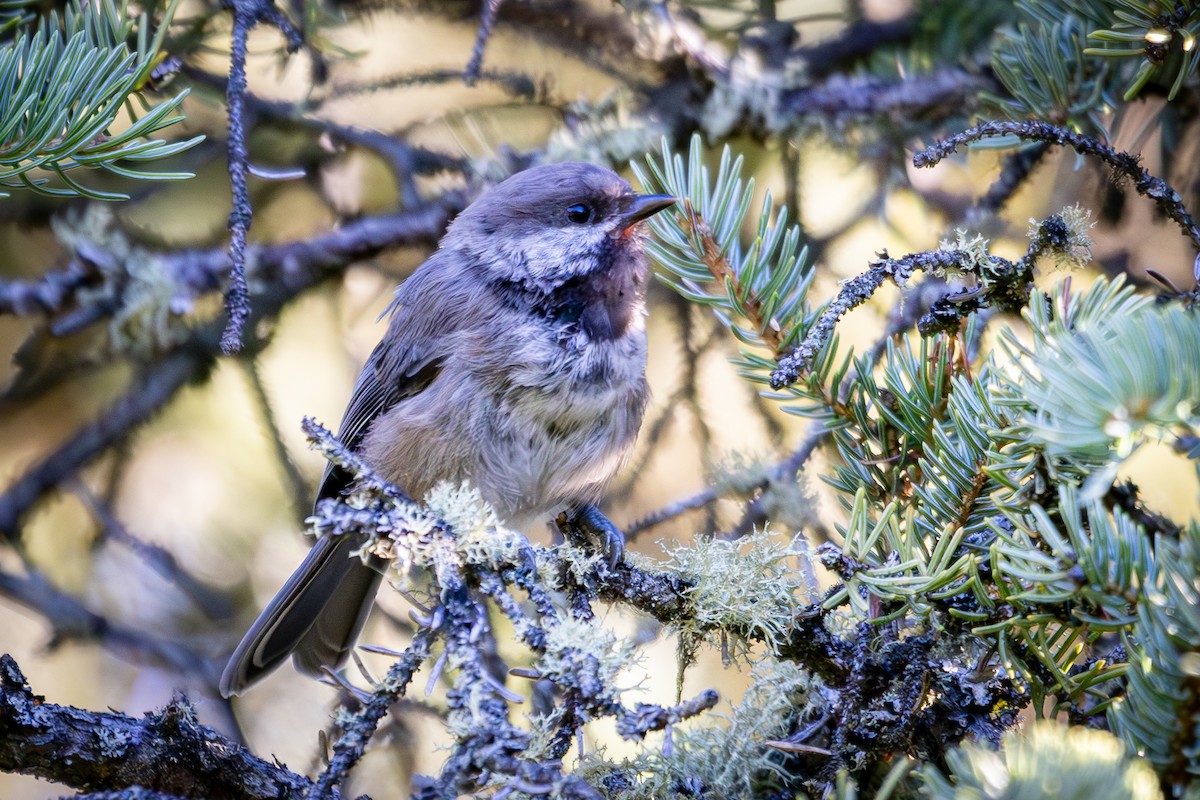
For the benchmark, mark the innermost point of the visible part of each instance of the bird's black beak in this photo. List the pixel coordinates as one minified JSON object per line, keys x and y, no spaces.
{"x":642,"y":206}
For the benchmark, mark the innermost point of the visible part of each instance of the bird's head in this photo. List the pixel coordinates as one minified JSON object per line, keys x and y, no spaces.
{"x":554,"y":223}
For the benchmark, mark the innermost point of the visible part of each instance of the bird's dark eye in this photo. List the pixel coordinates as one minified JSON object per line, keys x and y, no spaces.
{"x":579,"y":213}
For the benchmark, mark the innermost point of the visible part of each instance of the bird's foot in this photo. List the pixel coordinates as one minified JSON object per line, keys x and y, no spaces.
{"x":587,"y":523}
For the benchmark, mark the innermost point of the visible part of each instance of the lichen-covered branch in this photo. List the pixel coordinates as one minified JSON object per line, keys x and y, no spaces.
{"x":999,"y":283}
{"x":854,"y":293}
{"x":287,"y":269}
{"x":1126,"y":165}
{"x":166,"y":752}
{"x":357,"y":731}
{"x":465,"y":559}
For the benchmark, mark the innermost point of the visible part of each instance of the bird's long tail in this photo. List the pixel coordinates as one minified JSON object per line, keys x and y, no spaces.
{"x":315,"y":617}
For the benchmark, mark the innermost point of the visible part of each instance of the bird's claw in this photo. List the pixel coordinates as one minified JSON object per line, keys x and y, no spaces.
{"x":589,"y":519}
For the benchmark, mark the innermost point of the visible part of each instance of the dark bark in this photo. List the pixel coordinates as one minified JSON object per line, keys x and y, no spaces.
{"x":165,"y":753}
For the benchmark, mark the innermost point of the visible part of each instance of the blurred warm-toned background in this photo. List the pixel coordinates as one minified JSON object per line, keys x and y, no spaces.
{"x":222,"y":478}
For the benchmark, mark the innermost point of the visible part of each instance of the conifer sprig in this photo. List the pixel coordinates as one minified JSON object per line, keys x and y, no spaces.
{"x":63,"y":88}
{"x":758,"y":291}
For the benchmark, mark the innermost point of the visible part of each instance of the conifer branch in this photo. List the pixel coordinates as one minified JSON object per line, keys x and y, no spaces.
{"x":62,"y":91}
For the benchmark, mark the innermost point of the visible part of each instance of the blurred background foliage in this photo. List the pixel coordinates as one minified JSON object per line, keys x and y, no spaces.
{"x":157,"y":490}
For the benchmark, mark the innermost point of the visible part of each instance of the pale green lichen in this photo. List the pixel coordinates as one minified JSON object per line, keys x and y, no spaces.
{"x":974,"y":258}
{"x":729,"y":759}
{"x":755,"y":88}
{"x":739,"y":473}
{"x":580,"y":562}
{"x":783,"y":500}
{"x":480,"y":535}
{"x":1075,"y":252}
{"x":411,"y":543}
{"x":604,"y":132}
{"x":740,"y":591}
{"x":406,"y":542}
{"x":470,"y":713}
{"x":577,"y":647}
{"x":151,"y":308}
{"x":544,"y":732}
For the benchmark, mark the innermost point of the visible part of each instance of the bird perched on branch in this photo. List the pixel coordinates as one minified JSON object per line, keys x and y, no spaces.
{"x":515,"y":359}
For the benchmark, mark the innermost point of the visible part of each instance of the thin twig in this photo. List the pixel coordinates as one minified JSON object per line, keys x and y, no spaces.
{"x":288,"y":269}
{"x":298,"y":487}
{"x":855,"y":292}
{"x":246,"y":15}
{"x":671,"y":511}
{"x":490,"y":9}
{"x":906,"y":314}
{"x":1125,"y":164}
{"x":1014,"y":171}
{"x":656,"y":429}
{"x":357,"y":731}
{"x":213,"y":604}
{"x":72,"y":621}
{"x":237,"y":297}
{"x":154,"y":387}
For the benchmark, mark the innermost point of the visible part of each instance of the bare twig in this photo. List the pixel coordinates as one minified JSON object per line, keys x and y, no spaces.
{"x":486,"y":21}
{"x":209,"y":601}
{"x":907,"y":313}
{"x":357,"y":731}
{"x":298,"y":487}
{"x":671,"y":511}
{"x":246,"y":15}
{"x":153,"y":388}
{"x":71,"y":620}
{"x":1014,"y":171}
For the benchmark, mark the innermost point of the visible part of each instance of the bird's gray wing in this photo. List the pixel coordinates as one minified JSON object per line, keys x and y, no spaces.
{"x":318,"y":613}
{"x":401,"y":366}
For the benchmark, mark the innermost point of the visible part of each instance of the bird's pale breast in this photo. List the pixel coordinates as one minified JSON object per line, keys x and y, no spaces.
{"x":544,"y":423}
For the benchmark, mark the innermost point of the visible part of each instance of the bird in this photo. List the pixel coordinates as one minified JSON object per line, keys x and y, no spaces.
{"x":514,"y":359}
